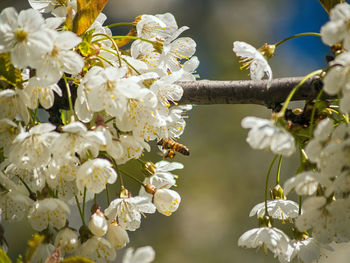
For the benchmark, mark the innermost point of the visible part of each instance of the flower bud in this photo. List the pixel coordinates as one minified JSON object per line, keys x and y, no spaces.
{"x":166,"y":201}
{"x":98,"y":224}
{"x":117,"y":236}
{"x":149,"y":169}
{"x":68,"y":239}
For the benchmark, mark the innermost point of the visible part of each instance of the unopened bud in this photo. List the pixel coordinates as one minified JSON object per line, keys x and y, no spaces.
{"x":150,"y":188}
{"x":267,"y":50}
{"x":277,"y":193}
{"x":149,"y":169}
{"x":117,"y":236}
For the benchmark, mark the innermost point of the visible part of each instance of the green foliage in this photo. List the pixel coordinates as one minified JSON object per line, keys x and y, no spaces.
{"x":3,"y":257}
{"x":88,"y":10}
{"x":329,"y":4}
{"x":8,"y":73}
{"x":77,"y":260}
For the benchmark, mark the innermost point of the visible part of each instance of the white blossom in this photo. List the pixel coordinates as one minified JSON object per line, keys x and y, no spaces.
{"x":140,"y":255}
{"x":128,"y":211}
{"x":24,"y":35}
{"x":97,"y":249}
{"x":269,"y":238}
{"x":279,"y":209}
{"x":60,"y":59}
{"x":48,"y":211}
{"x":259,"y":67}
{"x":264,"y":134}
{"x":117,"y":236}
{"x":68,"y":240}
{"x":98,"y":224}
{"x":38,"y":90}
{"x":32,"y":149}
{"x":337,"y":30}
{"x":95,"y":174}
{"x":166,"y":201}
{"x":305,"y":183}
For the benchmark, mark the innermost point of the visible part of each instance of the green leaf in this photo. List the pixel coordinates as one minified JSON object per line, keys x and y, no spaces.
{"x":87,"y":12}
{"x":329,"y":4}
{"x":77,"y":260}
{"x":3,"y":257}
{"x":8,"y":73}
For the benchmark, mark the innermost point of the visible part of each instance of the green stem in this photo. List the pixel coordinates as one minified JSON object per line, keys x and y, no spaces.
{"x":104,"y":59}
{"x":279,"y":170}
{"x":132,"y":177}
{"x":107,"y":193}
{"x":300,"y":203}
{"x":80,"y":212}
{"x":25,"y":184}
{"x":111,"y":119}
{"x":291,"y":94}
{"x":114,"y":45}
{"x":267,"y":181}
{"x":84,"y":200}
{"x":297,"y":35}
{"x":120,"y":24}
{"x":121,"y":37}
{"x":311,"y":127}
{"x":71,"y":112}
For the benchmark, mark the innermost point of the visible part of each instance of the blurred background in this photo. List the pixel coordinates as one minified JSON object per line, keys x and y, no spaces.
{"x":223,"y":177}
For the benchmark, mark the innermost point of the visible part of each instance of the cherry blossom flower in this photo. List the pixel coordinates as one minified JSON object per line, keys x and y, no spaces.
{"x":264,"y":134}
{"x":252,"y":58}
{"x":166,"y":201}
{"x":305,"y":183}
{"x":279,"y":209}
{"x":60,"y":59}
{"x":39,"y":90}
{"x":48,"y":211}
{"x":68,"y":240}
{"x":32,"y":148}
{"x":117,"y":236}
{"x":269,"y":238}
{"x":98,"y":224}
{"x":97,"y":249}
{"x":24,"y":35}
{"x":95,"y":174}
{"x":337,"y":30}
{"x":140,"y":255}
{"x":128,"y":210}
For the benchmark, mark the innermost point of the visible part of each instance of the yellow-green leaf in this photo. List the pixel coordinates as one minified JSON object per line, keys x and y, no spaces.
{"x":8,"y":73}
{"x":77,"y":260}
{"x":33,"y":245}
{"x":87,"y":12}
{"x":329,"y":4}
{"x":3,"y":257}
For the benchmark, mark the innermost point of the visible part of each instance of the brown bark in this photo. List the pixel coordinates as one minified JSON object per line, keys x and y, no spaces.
{"x":205,"y":92}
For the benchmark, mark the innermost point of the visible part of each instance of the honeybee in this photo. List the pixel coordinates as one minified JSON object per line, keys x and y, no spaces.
{"x":171,"y":147}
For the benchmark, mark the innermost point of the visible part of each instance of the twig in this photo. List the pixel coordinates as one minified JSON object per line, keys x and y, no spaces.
{"x":205,"y":92}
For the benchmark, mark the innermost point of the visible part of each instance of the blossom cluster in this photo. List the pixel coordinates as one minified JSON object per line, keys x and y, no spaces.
{"x":126,"y":96}
{"x":321,"y":132}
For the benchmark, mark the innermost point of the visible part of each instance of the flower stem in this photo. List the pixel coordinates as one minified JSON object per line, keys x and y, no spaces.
{"x":71,"y":112}
{"x":132,"y":177}
{"x":279,"y":170}
{"x":297,"y":35}
{"x":84,"y":200}
{"x":281,"y":113}
{"x":267,"y":181}
{"x":120,"y":24}
{"x":80,"y":211}
{"x":114,"y":45}
{"x":311,"y":127}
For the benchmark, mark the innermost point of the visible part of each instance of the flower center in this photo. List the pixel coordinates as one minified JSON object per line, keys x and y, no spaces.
{"x":21,"y":35}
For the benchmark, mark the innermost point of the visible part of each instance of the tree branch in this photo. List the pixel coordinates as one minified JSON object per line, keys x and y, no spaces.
{"x":205,"y":92}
